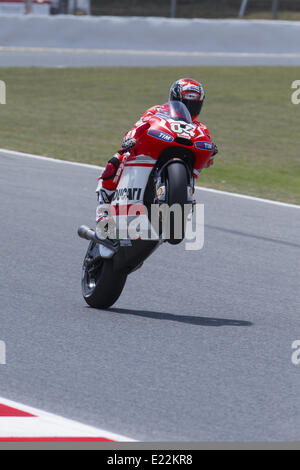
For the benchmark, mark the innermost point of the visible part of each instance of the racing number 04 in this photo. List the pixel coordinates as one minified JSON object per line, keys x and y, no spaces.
{"x":186,"y":129}
{"x":178,"y":129}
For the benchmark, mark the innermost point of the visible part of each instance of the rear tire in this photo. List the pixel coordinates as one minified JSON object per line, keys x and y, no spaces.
{"x":101,"y":285}
{"x":177,"y":183}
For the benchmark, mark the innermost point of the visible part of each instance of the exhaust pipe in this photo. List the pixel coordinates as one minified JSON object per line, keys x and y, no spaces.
{"x":88,"y":234}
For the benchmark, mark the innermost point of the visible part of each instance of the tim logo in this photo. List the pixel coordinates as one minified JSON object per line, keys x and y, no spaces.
{"x":160,"y":135}
{"x":2,"y":352}
{"x":2,"y":92}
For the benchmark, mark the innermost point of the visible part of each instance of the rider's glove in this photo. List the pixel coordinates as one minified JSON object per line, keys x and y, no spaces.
{"x":128,"y":143}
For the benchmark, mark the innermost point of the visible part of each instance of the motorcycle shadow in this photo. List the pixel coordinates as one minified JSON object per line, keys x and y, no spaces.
{"x":192,"y":320}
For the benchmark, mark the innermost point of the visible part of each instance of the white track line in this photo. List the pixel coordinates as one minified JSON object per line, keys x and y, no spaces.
{"x":130,"y":52}
{"x":200,"y":188}
{"x":14,"y":153}
{"x":48,"y":425}
{"x":250,"y":198}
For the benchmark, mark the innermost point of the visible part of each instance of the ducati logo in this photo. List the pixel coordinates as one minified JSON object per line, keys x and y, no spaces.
{"x":133,"y":194}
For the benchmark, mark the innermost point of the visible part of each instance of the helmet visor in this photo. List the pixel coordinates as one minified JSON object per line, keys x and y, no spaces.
{"x":193,"y":106}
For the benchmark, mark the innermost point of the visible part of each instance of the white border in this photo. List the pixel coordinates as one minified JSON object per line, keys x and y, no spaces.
{"x":200,"y":188}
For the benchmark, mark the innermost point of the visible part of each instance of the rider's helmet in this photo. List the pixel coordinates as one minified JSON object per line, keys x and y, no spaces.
{"x":190,"y":92}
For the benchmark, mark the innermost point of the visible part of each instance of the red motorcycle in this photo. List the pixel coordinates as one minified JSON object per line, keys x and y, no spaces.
{"x":160,"y":171}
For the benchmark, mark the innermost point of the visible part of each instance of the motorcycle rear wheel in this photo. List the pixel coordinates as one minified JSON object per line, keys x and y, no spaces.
{"x":101,"y":286}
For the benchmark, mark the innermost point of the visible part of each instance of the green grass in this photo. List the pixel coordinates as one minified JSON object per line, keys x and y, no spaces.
{"x":259,"y":9}
{"x":82,"y":114}
{"x":284,"y":15}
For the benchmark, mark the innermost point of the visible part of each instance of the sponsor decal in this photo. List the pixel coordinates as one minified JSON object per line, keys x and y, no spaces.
{"x":133,"y":194}
{"x":204,"y":146}
{"x":160,"y":135}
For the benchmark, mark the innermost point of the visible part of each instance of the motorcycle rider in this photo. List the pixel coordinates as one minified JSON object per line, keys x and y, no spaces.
{"x":188,"y":91}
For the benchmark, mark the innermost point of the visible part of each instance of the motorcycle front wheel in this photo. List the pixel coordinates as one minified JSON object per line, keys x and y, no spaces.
{"x":177,"y":184}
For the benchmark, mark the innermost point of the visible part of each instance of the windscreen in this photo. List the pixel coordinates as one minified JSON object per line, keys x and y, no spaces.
{"x":179,"y":112}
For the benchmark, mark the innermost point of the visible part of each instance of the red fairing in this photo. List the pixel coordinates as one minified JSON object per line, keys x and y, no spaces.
{"x":152,"y":146}
{"x":196,"y":133}
{"x":141,"y":129}
{"x":159,"y":109}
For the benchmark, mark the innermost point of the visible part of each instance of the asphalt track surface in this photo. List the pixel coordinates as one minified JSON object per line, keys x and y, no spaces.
{"x":59,"y":57}
{"x":198,"y":348}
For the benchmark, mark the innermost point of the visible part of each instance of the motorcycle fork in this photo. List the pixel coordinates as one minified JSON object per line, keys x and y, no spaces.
{"x":160,"y":186}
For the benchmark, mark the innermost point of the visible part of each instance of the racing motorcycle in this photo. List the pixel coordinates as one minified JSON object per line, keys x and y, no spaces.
{"x":159,"y":171}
